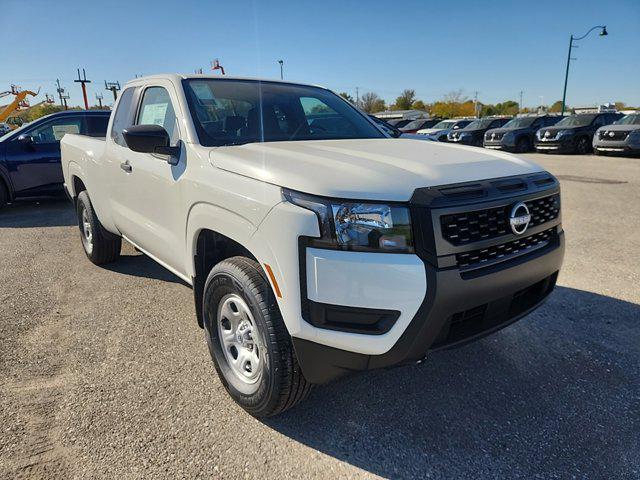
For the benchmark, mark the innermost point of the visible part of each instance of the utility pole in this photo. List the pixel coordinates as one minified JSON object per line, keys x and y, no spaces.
{"x":63,"y":97}
{"x":281,"y":62}
{"x":113,"y":87}
{"x":475,"y":104}
{"x":520,"y":104}
{"x":83,"y":81}
{"x":358,"y":97}
{"x":99,"y":97}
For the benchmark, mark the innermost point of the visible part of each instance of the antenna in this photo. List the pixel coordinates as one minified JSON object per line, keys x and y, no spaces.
{"x":83,"y":81}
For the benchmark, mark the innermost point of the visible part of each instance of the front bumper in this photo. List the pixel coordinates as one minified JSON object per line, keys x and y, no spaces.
{"x":466,"y":140}
{"x":455,"y":310}
{"x":561,"y":145}
{"x":621,"y":147}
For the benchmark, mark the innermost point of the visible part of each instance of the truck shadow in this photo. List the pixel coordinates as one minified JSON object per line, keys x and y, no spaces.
{"x":40,"y":212}
{"x":555,"y":395}
{"x":139,"y":265}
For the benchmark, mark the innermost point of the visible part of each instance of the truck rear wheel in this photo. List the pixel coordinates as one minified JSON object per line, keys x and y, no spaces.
{"x":100,"y":245}
{"x":248,"y":341}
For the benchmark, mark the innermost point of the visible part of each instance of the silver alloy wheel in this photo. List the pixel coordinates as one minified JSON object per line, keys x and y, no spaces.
{"x":241,"y":341}
{"x":86,"y":231}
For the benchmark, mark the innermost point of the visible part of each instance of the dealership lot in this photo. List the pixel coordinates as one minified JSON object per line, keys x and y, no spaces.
{"x":104,"y":372}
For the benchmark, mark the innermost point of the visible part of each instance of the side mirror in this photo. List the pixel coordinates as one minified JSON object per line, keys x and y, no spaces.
{"x":26,"y":140}
{"x":149,"y":139}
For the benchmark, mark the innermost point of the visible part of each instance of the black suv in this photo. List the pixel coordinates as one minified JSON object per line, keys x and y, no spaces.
{"x":473,"y":134}
{"x":573,"y":134}
{"x":517,"y":135}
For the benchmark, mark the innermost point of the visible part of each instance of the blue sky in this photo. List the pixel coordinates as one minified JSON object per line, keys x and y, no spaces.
{"x":495,"y":47}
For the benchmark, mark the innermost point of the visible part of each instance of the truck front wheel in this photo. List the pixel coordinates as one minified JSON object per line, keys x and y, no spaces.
{"x":100,"y":245}
{"x":248,"y":341}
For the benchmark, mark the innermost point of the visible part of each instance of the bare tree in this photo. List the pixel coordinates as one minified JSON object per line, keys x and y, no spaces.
{"x":371,"y":102}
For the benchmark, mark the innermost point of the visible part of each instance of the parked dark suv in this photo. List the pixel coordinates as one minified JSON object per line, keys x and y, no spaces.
{"x":473,"y":134}
{"x":30,"y":155}
{"x":517,"y":135}
{"x":419,"y":124}
{"x":573,"y":134}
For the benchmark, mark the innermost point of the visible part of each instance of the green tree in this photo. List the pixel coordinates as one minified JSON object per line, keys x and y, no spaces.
{"x":557,"y":107}
{"x":419,"y":105}
{"x":508,"y":107}
{"x":371,"y":102}
{"x":405,"y":100}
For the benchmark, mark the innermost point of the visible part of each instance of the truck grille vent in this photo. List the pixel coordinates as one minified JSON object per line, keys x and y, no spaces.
{"x":504,"y":251}
{"x":466,"y":227}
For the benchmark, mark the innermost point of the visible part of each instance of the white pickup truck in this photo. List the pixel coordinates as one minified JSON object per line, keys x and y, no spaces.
{"x":316,"y":245}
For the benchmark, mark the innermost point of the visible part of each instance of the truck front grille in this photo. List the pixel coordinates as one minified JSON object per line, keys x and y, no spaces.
{"x":472,"y":226}
{"x":613,"y":135}
{"x":504,"y":251}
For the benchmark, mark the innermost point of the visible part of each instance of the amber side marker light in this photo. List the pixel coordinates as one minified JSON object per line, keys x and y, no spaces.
{"x":273,"y":280}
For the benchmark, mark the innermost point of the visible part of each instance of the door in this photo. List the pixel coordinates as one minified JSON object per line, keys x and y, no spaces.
{"x":33,"y":162}
{"x":148,"y":186}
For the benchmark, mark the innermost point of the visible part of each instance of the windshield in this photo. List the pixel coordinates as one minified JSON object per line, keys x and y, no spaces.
{"x":521,"y":122}
{"x":478,"y":124}
{"x":444,"y":125}
{"x":576,"y":121}
{"x":632,"y":119}
{"x":415,"y":124}
{"x":235,"y":112}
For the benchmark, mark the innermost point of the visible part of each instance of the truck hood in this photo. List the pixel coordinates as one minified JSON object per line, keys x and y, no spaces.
{"x":371,"y":169}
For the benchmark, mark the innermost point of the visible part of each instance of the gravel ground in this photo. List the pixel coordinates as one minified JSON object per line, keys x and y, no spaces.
{"x":105,"y":374}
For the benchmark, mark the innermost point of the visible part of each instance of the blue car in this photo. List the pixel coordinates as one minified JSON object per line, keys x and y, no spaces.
{"x":30,"y":155}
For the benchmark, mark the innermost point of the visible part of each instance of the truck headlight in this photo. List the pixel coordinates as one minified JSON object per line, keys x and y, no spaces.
{"x":358,"y":226}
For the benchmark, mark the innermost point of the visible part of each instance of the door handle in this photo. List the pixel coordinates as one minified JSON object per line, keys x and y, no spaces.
{"x":126,"y":166}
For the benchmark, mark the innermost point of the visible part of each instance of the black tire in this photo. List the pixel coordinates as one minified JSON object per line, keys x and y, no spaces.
{"x":103,"y":246}
{"x":583,"y":146}
{"x":4,"y":194}
{"x":280,"y":384}
{"x":523,"y":145}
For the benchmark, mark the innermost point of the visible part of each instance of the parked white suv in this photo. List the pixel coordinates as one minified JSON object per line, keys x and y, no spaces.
{"x":316,"y":245}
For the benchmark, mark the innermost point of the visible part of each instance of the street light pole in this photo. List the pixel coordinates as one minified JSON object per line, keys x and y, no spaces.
{"x":281,"y":62}
{"x":603,"y":33}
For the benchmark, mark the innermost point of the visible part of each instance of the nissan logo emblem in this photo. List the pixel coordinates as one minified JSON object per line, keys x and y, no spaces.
{"x":519,"y":218}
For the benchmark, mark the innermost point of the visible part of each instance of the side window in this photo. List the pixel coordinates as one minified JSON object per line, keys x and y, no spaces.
{"x":52,"y":132}
{"x":156,"y":109}
{"x":600,"y":121}
{"x":96,"y":125}
{"x":123,"y":116}
{"x":539,"y":123}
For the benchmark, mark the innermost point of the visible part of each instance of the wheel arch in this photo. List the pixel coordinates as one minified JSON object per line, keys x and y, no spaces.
{"x":213,"y":235}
